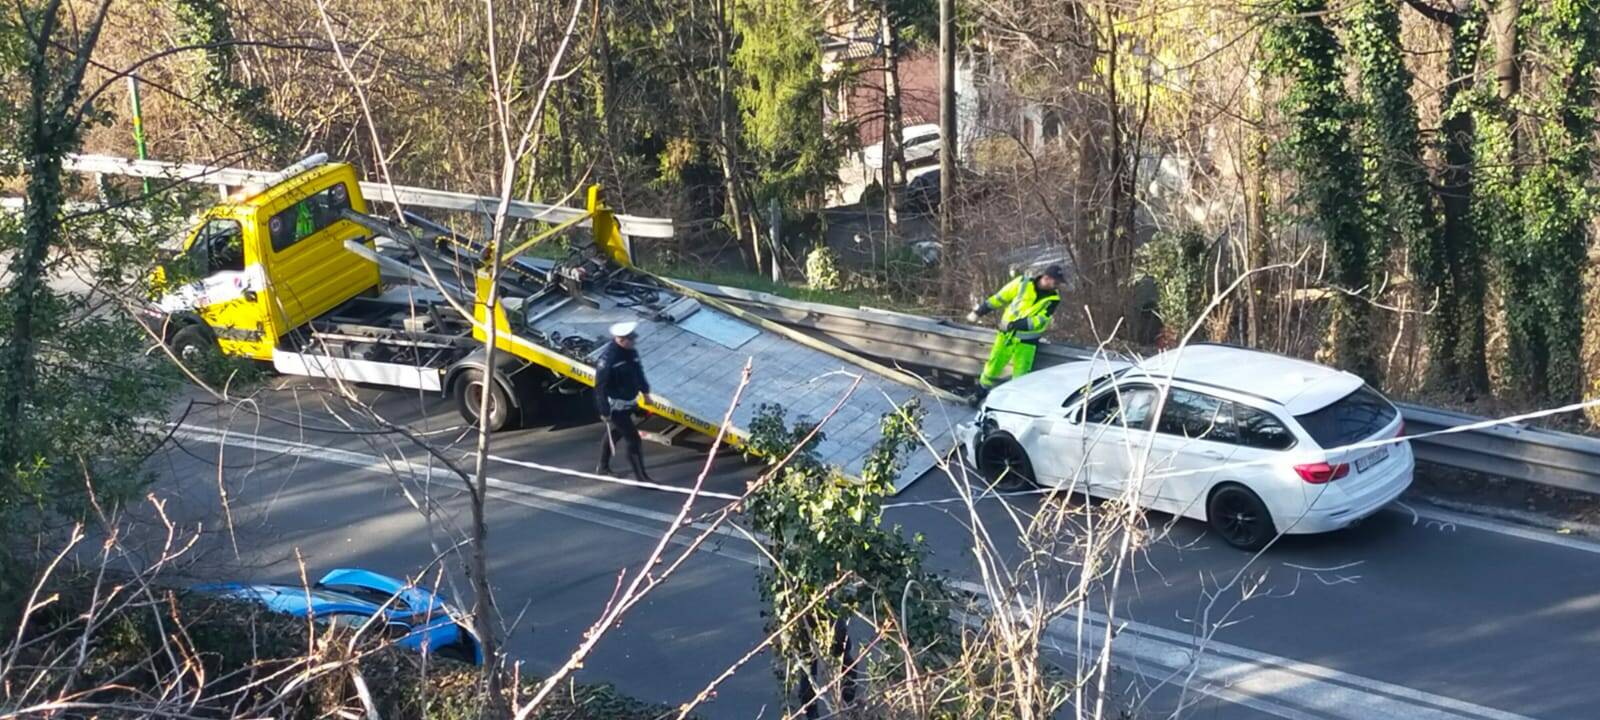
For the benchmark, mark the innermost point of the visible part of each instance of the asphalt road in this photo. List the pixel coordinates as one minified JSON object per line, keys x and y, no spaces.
{"x":1417,"y":613}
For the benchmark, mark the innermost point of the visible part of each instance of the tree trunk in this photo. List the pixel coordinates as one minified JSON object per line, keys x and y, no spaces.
{"x":43,"y":151}
{"x":949,"y":243}
{"x":728,"y":141}
{"x":1463,"y":247}
{"x":892,"y":160}
{"x":1255,"y":233}
{"x":1506,"y":71}
{"x":50,"y":130}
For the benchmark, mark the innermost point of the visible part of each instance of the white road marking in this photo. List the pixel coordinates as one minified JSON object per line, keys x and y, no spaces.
{"x":1272,"y":684}
{"x":1439,"y":519}
{"x":1441,"y":516}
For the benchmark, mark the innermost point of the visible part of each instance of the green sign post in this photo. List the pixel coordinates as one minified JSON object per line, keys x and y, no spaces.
{"x":138,"y":125}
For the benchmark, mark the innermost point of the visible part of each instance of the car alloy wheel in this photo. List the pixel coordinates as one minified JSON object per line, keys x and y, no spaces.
{"x":1239,"y":516}
{"x":1003,"y":462}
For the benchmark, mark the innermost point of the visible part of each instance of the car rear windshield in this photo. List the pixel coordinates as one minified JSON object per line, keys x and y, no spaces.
{"x":1351,"y":419}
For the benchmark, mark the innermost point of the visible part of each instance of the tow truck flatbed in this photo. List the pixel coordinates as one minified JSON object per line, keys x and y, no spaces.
{"x":693,"y":348}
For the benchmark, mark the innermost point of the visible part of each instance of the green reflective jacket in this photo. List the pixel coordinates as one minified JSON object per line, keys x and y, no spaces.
{"x":1022,"y":299}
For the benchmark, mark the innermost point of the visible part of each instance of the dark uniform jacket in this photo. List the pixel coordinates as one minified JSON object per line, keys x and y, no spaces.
{"x":618,"y":375}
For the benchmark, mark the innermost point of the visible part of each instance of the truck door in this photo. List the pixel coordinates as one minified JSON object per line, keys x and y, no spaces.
{"x":227,"y":293}
{"x":310,"y":270}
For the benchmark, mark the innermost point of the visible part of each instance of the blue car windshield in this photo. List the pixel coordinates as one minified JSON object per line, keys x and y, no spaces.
{"x":366,"y":594}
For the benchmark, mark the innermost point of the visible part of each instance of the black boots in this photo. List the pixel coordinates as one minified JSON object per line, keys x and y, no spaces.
{"x":636,"y":461}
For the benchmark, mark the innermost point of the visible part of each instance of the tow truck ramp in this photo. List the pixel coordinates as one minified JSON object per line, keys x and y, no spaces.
{"x":695,"y":359}
{"x":557,"y":314}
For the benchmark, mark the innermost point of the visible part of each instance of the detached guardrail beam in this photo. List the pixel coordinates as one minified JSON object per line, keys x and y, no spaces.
{"x":631,"y":225}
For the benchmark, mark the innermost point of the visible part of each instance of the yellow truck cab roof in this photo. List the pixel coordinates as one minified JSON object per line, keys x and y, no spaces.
{"x":292,"y":186}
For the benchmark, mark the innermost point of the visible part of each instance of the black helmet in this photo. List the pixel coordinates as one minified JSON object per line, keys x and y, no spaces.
{"x":1055,"y":271}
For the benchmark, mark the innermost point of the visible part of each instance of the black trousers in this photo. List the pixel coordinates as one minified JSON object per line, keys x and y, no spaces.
{"x":620,"y":430}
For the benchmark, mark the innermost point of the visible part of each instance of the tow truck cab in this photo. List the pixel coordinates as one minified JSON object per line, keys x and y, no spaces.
{"x":270,"y":260}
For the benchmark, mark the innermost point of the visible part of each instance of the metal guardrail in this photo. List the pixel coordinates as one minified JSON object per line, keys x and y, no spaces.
{"x":632,"y":225}
{"x":1512,"y":451}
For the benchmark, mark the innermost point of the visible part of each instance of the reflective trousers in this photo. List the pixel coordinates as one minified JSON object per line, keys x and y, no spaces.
{"x":1007,"y":350}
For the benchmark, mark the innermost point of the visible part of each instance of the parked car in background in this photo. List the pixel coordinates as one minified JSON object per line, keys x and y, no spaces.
{"x":917,"y":144}
{"x":413,"y":617}
{"x":1252,"y":443}
{"x":921,"y":192}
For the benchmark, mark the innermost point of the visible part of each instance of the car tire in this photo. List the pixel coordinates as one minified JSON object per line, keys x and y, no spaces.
{"x":459,"y":651}
{"x":1237,"y":515}
{"x":468,"y":391}
{"x":1004,"y":462}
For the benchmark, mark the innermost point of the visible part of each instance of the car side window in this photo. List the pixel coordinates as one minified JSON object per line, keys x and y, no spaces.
{"x":1196,"y":416}
{"x":303,"y":219}
{"x":356,"y":621}
{"x":1261,"y":430}
{"x":1128,"y":406}
{"x":348,"y":621}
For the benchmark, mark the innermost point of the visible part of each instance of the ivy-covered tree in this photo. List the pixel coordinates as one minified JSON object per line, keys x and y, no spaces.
{"x":1303,"y":50}
{"x":1175,"y":262}
{"x":207,"y":25}
{"x":1397,"y":179}
{"x":1461,"y":241}
{"x":1535,"y":209}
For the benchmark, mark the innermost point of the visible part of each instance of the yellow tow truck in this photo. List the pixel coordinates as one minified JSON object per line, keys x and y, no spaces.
{"x":298,"y":273}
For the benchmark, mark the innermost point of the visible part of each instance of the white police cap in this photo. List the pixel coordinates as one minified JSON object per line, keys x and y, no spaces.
{"x":624,"y":329}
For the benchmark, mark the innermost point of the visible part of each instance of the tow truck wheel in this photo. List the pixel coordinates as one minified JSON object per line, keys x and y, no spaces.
{"x":195,"y":349}
{"x":468,"y":392}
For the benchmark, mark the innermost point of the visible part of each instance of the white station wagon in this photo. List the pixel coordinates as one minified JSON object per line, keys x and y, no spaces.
{"x":1252,"y":443}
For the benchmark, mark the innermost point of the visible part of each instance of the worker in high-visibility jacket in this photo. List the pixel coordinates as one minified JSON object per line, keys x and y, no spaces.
{"x":1027,"y":305}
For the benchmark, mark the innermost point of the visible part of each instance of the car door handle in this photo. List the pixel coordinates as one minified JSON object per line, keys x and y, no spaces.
{"x":1214,"y":455}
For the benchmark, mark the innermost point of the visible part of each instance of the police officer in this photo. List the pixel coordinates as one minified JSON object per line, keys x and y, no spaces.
{"x":1028,"y":306}
{"x":618,"y":382}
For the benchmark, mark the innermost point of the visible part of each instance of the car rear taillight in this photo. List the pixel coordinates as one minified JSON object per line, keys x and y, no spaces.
{"x":1319,"y":473}
{"x":1402,"y":432}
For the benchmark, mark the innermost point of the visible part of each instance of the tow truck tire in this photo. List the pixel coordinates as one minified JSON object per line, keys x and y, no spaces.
{"x":194,"y":347}
{"x":468,"y":392}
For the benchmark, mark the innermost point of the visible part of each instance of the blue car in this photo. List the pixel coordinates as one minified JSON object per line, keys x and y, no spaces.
{"x":414,"y":617}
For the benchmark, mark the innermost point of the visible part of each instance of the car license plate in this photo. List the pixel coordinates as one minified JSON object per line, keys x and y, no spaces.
{"x":1366,"y":462}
